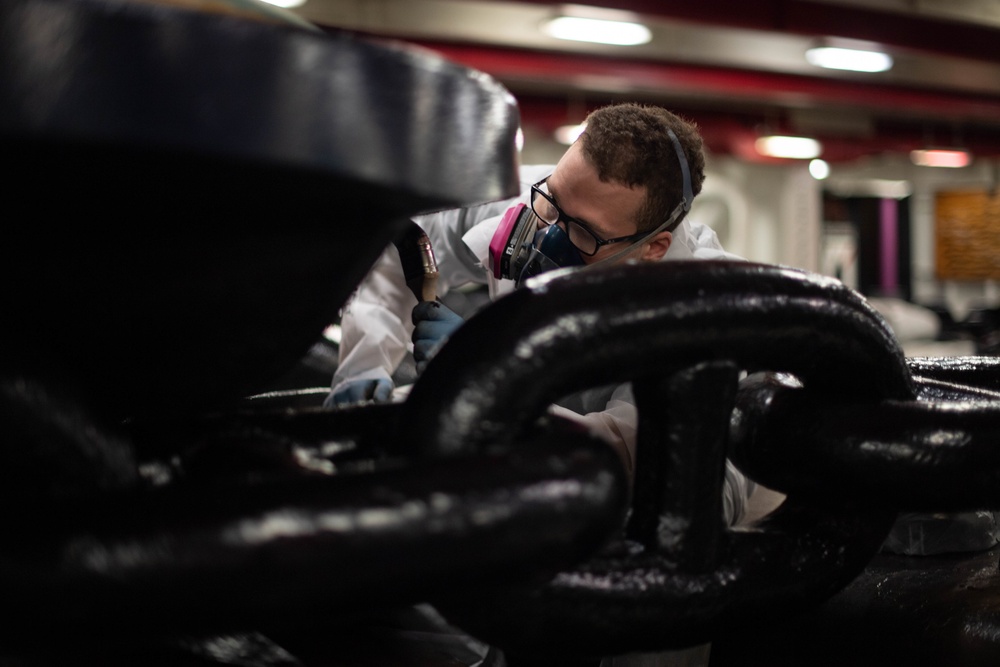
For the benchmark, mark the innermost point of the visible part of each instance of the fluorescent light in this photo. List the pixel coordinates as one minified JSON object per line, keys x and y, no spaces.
{"x":937,"y":157}
{"x":287,"y":4}
{"x":600,"y":31}
{"x":819,"y":169}
{"x":567,"y":134}
{"x":855,"y":60}
{"x":801,"y":148}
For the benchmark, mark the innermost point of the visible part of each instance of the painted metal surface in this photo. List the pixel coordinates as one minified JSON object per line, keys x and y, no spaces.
{"x":199,"y":516}
{"x":680,"y":332}
{"x":181,"y":174}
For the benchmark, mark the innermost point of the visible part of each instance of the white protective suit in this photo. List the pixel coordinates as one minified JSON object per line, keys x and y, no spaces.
{"x":376,"y":325}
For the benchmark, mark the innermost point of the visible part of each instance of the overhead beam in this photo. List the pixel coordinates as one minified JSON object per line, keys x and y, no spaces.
{"x":730,"y":87}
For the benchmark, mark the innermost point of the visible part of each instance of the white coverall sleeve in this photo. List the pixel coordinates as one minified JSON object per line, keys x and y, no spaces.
{"x":376,"y":328}
{"x":375,"y":325}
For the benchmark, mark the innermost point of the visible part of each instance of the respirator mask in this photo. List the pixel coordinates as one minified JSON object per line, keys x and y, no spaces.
{"x":522,"y":248}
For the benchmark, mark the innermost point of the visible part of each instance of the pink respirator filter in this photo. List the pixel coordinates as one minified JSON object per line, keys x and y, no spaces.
{"x":501,"y":238}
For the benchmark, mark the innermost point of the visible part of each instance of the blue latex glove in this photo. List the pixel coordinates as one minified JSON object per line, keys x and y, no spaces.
{"x":360,"y":391}
{"x":433,"y":323}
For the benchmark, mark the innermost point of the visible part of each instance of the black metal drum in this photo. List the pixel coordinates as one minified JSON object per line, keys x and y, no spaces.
{"x":193,"y":195}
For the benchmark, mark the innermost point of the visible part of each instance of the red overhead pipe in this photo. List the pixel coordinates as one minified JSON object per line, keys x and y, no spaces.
{"x":560,"y":70}
{"x":806,"y":17}
{"x":899,"y":115}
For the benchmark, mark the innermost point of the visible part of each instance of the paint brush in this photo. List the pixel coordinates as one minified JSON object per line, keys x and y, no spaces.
{"x":419,"y":265}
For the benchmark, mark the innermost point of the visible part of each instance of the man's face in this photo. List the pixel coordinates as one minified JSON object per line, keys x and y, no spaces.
{"x":608,"y":209}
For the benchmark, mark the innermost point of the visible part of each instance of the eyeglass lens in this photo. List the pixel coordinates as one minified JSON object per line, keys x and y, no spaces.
{"x":581,"y":237}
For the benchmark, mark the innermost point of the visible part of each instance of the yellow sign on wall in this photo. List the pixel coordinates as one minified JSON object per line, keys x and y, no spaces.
{"x":967,"y":235}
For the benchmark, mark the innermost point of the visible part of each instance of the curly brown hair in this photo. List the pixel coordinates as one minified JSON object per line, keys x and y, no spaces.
{"x":628,"y":143}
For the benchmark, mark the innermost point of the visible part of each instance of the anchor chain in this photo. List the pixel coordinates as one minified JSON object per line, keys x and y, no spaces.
{"x":675,"y":575}
{"x":522,"y":529}
{"x":274,"y":539}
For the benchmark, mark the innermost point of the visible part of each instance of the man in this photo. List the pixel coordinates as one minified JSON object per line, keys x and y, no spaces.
{"x":620,"y":193}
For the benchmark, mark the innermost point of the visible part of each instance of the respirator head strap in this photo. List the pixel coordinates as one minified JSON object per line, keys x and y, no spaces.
{"x":685,"y":172}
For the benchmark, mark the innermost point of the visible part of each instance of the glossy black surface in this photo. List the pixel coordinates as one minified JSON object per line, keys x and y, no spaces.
{"x":678,"y":331}
{"x":941,"y":610}
{"x":197,"y":194}
{"x":608,"y":325}
{"x":927,"y":454}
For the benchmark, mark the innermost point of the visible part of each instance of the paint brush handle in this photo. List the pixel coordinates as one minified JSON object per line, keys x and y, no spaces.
{"x":416,"y":255}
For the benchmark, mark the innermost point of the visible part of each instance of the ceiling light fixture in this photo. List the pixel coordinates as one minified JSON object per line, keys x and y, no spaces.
{"x":287,"y":4}
{"x":819,"y":169}
{"x":941,"y":157}
{"x":799,"y":148}
{"x":849,"y":57}
{"x":598,"y":25}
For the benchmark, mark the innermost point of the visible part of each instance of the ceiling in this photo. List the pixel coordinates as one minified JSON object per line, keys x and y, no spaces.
{"x":735,"y":68}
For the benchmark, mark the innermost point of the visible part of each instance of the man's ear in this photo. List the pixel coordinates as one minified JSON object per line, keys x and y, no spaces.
{"x":657,"y":247}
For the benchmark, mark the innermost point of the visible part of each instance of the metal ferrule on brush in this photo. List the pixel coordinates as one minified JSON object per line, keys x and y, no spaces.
{"x":427,"y":256}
